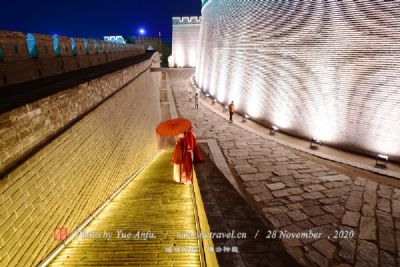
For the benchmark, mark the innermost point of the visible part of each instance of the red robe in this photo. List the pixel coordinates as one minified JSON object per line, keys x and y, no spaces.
{"x":177,"y":155}
{"x":187,"y":168}
{"x":191,"y":144}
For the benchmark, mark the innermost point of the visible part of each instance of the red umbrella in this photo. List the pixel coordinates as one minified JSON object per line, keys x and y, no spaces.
{"x":173,"y":127}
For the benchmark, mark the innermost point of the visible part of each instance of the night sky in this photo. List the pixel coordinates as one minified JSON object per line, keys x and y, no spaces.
{"x":94,"y":19}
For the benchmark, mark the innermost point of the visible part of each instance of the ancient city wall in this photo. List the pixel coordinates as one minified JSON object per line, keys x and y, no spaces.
{"x":149,"y":43}
{"x":185,"y":40}
{"x":47,"y":57}
{"x":64,"y":182}
{"x":322,"y":69}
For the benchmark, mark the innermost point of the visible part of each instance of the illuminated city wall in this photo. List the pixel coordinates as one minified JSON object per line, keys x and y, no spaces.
{"x":185,"y":40}
{"x":323,"y":69}
{"x":25,"y":57}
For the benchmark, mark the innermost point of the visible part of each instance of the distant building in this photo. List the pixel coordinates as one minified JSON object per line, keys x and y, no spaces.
{"x":149,"y":43}
{"x":185,"y":40}
{"x":115,"y":39}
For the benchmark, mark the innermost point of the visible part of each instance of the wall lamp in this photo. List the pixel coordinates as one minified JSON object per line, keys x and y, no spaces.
{"x":225,"y":109}
{"x":207,"y":95}
{"x":274,"y":130}
{"x":213,"y":101}
{"x":382,"y":160}
{"x":315,"y":143}
{"x":245,"y":118}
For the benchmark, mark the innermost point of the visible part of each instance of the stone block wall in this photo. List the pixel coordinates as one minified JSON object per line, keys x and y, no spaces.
{"x":185,"y":41}
{"x":316,"y":69}
{"x":17,"y":65}
{"x":63,"y":183}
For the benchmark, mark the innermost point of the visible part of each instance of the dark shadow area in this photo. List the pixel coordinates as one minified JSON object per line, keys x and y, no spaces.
{"x":227,"y":211}
{"x":20,"y":94}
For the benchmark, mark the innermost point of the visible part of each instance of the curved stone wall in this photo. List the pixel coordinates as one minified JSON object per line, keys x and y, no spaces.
{"x":324,"y":69}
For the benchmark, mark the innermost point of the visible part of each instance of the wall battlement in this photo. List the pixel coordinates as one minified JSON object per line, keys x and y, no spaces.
{"x":149,"y":43}
{"x":140,"y":38}
{"x":205,"y":2}
{"x":186,"y":20}
{"x":33,"y":56}
{"x":185,"y":40}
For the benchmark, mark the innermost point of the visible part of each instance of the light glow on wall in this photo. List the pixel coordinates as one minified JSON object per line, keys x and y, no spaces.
{"x":185,"y":39}
{"x":179,"y":57}
{"x":323,"y":69}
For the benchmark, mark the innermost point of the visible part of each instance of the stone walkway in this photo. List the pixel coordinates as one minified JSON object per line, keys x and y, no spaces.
{"x":358,"y":219}
{"x":227,"y":211}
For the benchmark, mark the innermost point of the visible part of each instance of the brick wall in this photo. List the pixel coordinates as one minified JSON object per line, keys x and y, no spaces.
{"x":316,"y":69}
{"x":70,"y":177}
{"x":18,"y":66}
{"x":185,"y":41}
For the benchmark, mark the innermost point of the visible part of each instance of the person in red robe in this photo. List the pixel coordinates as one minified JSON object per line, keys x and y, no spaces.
{"x":185,"y":153}
{"x":187,"y":168}
{"x":177,"y":159}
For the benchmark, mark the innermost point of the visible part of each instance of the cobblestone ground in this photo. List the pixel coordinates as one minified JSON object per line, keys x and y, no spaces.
{"x":228,"y":211}
{"x":298,"y":195}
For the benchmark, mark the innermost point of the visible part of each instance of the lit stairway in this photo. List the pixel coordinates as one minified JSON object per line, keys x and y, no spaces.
{"x":152,"y":204}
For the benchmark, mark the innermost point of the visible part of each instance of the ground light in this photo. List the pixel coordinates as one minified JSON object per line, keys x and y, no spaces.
{"x":315,"y":143}
{"x":245,"y":118}
{"x":274,"y":130}
{"x":225,"y":109}
{"x":213,"y":101}
{"x":382,"y":160}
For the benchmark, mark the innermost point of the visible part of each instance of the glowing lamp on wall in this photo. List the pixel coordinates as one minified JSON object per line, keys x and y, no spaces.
{"x":274,"y":130}
{"x":315,"y":143}
{"x":382,"y":161}
{"x":245,"y":118}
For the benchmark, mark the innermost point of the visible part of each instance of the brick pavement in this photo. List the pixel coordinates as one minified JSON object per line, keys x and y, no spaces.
{"x":298,"y":195}
{"x":153,"y":209}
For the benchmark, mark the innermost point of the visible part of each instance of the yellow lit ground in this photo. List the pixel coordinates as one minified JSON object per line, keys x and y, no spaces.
{"x":152,"y":202}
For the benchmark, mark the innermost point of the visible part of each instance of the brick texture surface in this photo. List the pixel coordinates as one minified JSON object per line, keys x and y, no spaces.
{"x":315,"y":69}
{"x":68,"y":179}
{"x":24,"y":128}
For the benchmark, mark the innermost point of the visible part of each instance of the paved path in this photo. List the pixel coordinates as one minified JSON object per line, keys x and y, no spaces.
{"x":298,"y":195}
{"x":152,"y":203}
{"x":227,"y":211}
